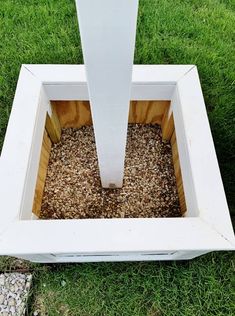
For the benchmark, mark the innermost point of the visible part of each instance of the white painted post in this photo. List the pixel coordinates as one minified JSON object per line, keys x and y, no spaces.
{"x":108,"y":29}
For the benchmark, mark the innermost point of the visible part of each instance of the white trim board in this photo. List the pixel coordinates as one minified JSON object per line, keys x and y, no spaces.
{"x":207,"y":225}
{"x":149,"y":82}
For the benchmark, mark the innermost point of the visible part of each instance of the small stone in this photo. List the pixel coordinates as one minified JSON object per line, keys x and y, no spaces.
{"x":122,"y":214}
{"x":2,"y":280}
{"x":12,"y":310}
{"x":63,"y":283}
{"x":1,"y":299}
{"x":11,"y":302}
{"x":13,"y":294}
{"x":73,"y":189}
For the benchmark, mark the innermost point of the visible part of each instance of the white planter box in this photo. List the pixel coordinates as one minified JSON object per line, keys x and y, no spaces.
{"x":206,"y":225}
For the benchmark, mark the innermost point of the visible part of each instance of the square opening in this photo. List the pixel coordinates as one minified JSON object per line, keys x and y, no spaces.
{"x":68,"y":184}
{"x":35,"y":123}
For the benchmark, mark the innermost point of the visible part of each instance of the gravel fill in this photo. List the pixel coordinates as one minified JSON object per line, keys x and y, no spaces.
{"x":14,"y":290}
{"x":73,"y":188}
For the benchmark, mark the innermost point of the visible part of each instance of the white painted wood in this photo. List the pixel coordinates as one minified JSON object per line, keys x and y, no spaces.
{"x":183,"y":150}
{"x":67,"y":92}
{"x":75,"y":74}
{"x":179,"y":255}
{"x":138,"y":92}
{"x":34,"y":158}
{"x":123,"y":239}
{"x":149,"y":82}
{"x":108,"y":29}
{"x":152,"y":91}
{"x":111,"y":236}
{"x":209,"y":192}
{"x":19,"y":154}
{"x":159,"y":74}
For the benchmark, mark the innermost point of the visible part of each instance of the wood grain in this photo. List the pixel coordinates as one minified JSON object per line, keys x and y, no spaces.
{"x":147,"y":112}
{"x":42,"y":171}
{"x":167,"y":124}
{"x":77,"y":113}
{"x":53,"y":126}
{"x":73,"y":113}
{"x":178,"y":175}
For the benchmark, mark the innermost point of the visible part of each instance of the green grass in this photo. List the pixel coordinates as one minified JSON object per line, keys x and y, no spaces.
{"x":203,"y":286}
{"x":154,"y":289}
{"x":197,"y":32}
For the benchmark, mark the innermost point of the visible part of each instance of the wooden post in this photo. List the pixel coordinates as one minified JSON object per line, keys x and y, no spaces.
{"x":108,"y":29}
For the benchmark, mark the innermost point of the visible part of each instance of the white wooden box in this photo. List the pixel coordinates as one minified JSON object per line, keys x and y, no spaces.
{"x":206,"y":224}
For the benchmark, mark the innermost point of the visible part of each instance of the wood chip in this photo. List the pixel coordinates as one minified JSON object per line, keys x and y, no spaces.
{"x":73,"y":188}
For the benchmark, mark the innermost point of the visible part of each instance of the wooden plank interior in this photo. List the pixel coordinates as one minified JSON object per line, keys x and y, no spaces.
{"x":147,"y":112}
{"x":53,"y":125}
{"x":167,"y":124}
{"x":178,"y":175}
{"x":77,"y":113}
{"x":42,"y":171}
{"x":73,"y":113}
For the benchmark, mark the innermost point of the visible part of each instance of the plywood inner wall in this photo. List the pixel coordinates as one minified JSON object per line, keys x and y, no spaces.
{"x":42,"y":171}
{"x":178,"y":175}
{"x":77,"y":114}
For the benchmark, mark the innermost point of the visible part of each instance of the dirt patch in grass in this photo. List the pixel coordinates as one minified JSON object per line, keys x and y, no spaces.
{"x":73,"y":188}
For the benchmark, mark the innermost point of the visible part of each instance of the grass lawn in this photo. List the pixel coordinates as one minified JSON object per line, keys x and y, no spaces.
{"x":197,"y":32}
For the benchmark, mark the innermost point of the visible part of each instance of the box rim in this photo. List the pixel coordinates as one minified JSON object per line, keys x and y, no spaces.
{"x":40,"y":83}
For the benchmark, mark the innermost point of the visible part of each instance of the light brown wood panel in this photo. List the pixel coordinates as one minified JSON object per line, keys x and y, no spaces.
{"x":53,"y":125}
{"x":77,"y":113}
{"x":42,"y":171}
{"x":178,"y":175}
{"x":167,"y":124}
{"x":73,"y":113}
{"x":147,"y":112}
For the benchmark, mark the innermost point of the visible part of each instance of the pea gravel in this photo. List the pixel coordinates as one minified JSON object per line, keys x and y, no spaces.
{"x":14,"y":291}
{"x":73,"y":188}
